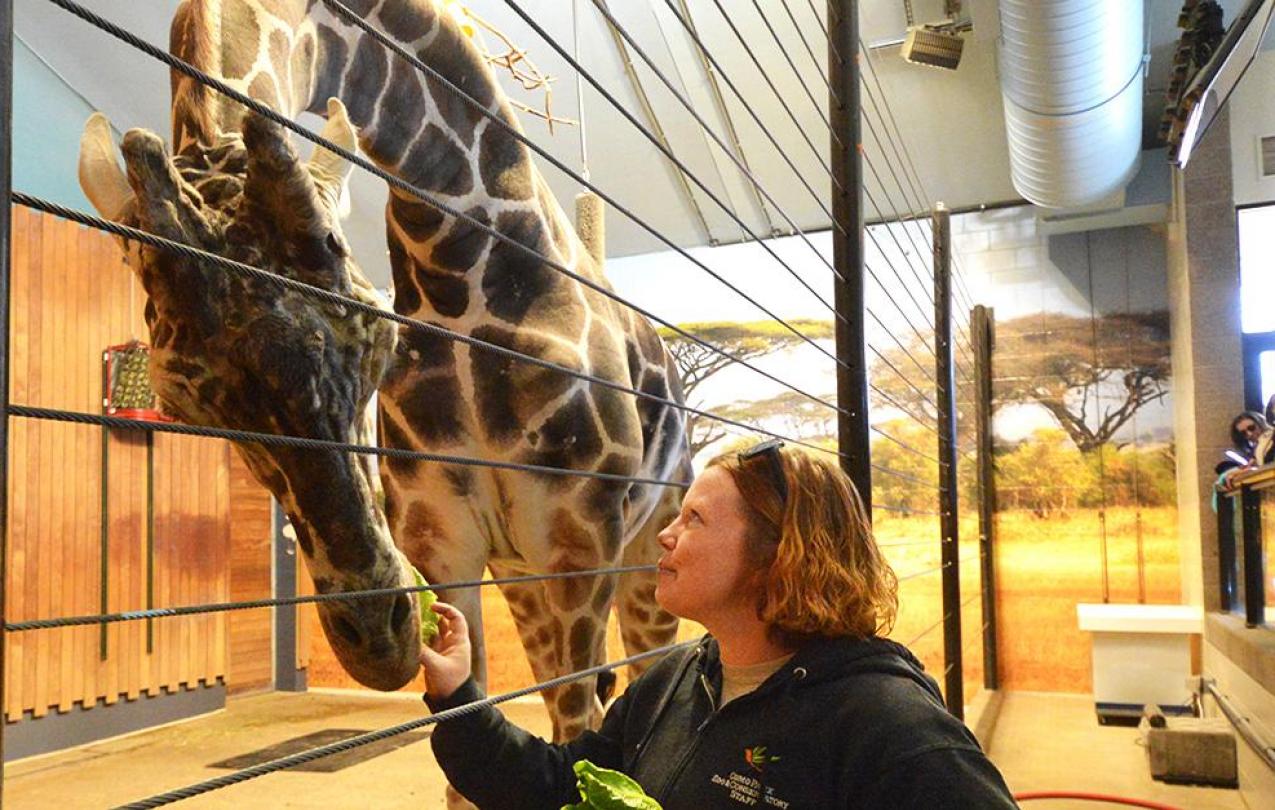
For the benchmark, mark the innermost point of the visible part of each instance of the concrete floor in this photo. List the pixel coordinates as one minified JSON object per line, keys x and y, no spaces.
{"x":1042,"y":742}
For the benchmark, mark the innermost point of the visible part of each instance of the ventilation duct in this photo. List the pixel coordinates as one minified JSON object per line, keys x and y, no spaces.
{"x":1071,"y":79}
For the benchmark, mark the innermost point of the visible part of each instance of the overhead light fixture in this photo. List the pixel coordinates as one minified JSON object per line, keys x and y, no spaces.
{"x":932,"y":45}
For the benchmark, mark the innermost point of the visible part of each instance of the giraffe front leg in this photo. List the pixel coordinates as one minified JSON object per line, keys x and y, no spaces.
{"x":562,"y":625}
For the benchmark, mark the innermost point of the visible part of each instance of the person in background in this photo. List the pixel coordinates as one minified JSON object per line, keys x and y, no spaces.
{"x":1246,"y":429}
{"x":1264,"y":451}
{"x":793,"y":699}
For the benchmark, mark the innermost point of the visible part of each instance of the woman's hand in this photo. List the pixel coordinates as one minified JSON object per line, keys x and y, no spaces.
{"x":447,"y":662}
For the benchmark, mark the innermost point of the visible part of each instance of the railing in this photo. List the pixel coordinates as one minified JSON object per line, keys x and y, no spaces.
{"x":1243,"y":537}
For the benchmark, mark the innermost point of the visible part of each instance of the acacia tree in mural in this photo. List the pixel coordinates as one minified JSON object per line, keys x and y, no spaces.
{"x":745,"y":340}
{"x":1091,"y":374}
{"x":902,"y":379}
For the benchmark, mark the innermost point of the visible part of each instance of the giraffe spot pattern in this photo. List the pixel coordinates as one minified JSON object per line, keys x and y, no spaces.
{"x":393,"y":435}
{"x":263,"y":89}
{"x":419,"y":220}
{"x":505,"y":166}
{"x":332,"y":53}
{"x":432,"y":405}
{"x":584,"y":632}
{"x":403,"y":108}
{"x":514,"y":280}
{"x":448,"y":294}
{"x":407,"y":296}
{"x":464,"y":243}
{"x":239,"y":39}
{"x":405,"y":21}
{"x":494,"y":390}
{"x":574,"y":549}
{"x":301,"y":63}
{"x":278,"y":49}
{"x":573,"y":699}
{"x":449,"y":54}
{"x":435,"y":163}
{"x":421,"y":522}
{"x":569,"y":439}
{"x":602,"y":595}
{"x":459,"y":479}
{"x":364,"y":80}
{"x":601,"y":499}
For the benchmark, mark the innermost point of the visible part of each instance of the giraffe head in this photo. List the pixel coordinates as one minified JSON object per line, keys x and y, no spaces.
{"x":246,"y":354}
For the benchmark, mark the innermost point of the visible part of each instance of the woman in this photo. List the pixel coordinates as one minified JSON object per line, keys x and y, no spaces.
{"x":1246,"y":430}
{"x":1264,"y":452}
{"x":792,"y":700}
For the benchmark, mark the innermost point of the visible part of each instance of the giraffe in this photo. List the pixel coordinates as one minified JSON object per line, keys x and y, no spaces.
{"x":239,"y":354}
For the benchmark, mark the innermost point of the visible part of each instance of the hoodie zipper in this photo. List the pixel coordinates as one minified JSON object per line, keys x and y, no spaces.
{"x":695,"y":741}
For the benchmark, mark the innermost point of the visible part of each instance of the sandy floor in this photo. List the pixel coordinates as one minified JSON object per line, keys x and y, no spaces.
{"x":1043,"y":741}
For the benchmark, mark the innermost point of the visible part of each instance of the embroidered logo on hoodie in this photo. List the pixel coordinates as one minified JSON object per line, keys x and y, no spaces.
{"x":757,"y":758}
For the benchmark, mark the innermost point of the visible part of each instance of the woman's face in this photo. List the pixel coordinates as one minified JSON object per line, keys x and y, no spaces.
{"x":1249,"y":430}
{"x":705,"y":574}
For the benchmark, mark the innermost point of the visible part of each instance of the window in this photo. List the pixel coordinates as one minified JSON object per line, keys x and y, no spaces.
{"x":1257,"y":268}
{"x":1266,"y":364}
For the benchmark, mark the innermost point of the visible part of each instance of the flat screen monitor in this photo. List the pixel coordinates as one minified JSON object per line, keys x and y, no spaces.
{"x":1212,"y":86}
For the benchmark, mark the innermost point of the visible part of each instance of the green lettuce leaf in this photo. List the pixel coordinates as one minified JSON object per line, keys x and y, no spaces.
{"x":604,"y":789}
{"x":429,"y":619}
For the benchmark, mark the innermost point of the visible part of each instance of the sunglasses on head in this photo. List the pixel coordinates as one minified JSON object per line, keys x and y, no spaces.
{"x":769,"y":449}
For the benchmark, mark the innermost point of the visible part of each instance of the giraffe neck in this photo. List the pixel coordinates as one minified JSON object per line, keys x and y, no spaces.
{"x":417,"y":128}
{"x":295,"y":54}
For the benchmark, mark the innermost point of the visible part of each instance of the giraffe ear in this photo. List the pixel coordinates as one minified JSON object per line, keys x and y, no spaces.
{"x":331,"y":171}
{"x":101,"y":177}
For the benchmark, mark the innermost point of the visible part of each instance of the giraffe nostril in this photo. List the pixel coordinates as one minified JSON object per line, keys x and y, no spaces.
{"x":402,"y":609}
{"x":346,"y":630}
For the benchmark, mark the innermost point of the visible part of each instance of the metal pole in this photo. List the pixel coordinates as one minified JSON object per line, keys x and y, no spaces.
{"x":847,"y":243}
{"x":287,"y":678}
{"x":983,"y":335}
{"x":945,"y":377}
{"x":6,"y":190}
{"x":1226,"y":551}
{"x":1254,"y":558}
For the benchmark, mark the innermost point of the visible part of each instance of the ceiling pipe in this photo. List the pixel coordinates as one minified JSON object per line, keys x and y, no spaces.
{"x":1072,"y":84}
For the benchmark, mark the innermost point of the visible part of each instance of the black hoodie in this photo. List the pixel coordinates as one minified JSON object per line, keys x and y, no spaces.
{"x":845,"y":723}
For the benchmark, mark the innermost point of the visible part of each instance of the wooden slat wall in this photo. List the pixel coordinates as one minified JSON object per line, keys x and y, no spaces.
{"x":251,"y":631}
{"x":71,"y":299}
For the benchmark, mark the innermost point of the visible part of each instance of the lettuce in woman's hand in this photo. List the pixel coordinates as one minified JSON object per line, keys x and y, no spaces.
{"x":429,"y":619}
{"x":604,"y":789}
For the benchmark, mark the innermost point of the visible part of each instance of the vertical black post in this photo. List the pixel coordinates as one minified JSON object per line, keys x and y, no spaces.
{"x":983,"y":334}
{"x":847,"y":243}
{"x":945,"y":377}
{"x":287,"y":678}
{"x":1226,"y":573}
{"x":1254,"y":559}
{"x":6,"y":192}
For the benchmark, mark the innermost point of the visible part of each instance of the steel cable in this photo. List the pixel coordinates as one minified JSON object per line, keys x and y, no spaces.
{"x":277,"y":440}
{"x":187,"y":251}
{"x":266,"y":112}
{"x":797,"y":73}
{"x":699,"y":43}
{"x":292,"y":761}
{"x":819,"y":68}
{"x":690,"y":108}
{"x":349,"y":15}
{"x":922,"y":195}
{"x":317,"y":598}
{"x":452,"y":88}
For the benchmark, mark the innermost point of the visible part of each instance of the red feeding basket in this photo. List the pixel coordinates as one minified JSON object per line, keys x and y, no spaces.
{"x":126,"y":383}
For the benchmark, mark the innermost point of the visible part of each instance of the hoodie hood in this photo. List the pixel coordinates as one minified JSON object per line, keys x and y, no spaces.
{"x":827,"y":659}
